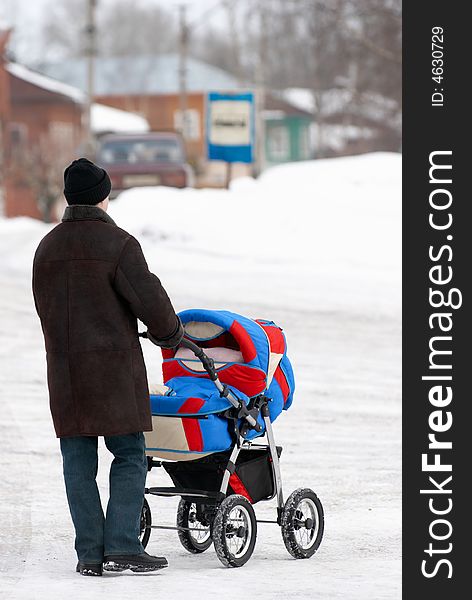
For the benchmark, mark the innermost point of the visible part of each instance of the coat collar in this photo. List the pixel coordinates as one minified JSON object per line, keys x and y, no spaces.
{"x":86,"y":212}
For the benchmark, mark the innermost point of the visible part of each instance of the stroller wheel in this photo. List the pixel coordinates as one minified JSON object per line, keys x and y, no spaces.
{"x":234,"y":531}
{"x":198,"y":539}
{"x":145,"y":524}
{"x":302,"y":523}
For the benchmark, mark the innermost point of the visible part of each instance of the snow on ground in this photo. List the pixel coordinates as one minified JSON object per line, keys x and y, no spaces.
{"x":314,"y":246}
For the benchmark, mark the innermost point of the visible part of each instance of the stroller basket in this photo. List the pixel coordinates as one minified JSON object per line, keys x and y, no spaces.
{"x":253,"y":477}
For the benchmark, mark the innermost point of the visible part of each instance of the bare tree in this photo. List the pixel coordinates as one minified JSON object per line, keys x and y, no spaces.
{"x":125,"y":27}
{"x":136,"y":27}
{"x":35,"y":165}
{"x":348,"y":52}
{"x":62,"y":30}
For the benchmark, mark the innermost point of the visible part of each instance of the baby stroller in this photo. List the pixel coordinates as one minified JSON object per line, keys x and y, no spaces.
{"x":227,"y":382}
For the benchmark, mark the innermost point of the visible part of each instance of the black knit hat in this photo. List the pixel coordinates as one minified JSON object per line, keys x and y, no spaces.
{"x":85,"y":183}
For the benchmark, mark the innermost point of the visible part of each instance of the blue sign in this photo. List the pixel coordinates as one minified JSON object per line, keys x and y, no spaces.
{"x":230,"y":127}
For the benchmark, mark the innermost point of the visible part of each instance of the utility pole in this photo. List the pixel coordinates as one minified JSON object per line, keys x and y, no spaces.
{"x":261,"y":75}
{"x":5,"y":116}
{"x":183,"y":54}
{"x":91,"y":51}
{"x":230,"y":7}
{"x":184,"y":35}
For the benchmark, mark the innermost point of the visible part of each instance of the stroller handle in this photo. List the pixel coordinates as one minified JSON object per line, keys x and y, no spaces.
{"x":209,"y":367}
{"x":199,"y":353}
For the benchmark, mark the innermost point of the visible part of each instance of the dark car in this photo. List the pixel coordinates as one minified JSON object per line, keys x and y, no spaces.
{"x":145,"y":159}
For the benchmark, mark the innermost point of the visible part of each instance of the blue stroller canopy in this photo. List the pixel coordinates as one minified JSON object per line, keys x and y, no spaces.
{"x":190,"y":416}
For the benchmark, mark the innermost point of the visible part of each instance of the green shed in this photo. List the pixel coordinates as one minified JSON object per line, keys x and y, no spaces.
{"x":287,"y":132}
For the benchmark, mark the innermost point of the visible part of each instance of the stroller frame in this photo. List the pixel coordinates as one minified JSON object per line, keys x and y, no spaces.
{"x":216,"y":506}
{"x":217,"y":497}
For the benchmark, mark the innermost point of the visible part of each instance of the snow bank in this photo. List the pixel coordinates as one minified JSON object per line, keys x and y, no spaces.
{"x":321,"y":232}
{"x":19,"y":238}
{"x":323,"y":235}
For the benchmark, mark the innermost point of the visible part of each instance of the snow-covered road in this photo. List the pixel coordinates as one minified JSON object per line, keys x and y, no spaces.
{"x":323,"y":262}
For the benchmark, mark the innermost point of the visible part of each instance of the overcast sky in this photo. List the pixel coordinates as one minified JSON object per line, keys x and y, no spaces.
{"x":26,"y":15}
{"x":21,"y":11}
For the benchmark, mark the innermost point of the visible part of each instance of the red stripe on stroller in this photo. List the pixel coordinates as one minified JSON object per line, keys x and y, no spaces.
{"x":238,"y":487}
{"x":192,"y":430}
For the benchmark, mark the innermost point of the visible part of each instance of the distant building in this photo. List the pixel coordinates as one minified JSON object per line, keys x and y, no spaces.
{"x":40,"y":132}
{"x":149,"y":85}
{"x":287,"y":132}
{"x":40,"y":123}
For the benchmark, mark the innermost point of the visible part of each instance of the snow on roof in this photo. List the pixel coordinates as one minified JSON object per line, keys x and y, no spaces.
{"x":273,"y":114}
{"x":46,"y":83}
{"x":109,"y":119}
{"x":302,"y":98}
{"x":141,"y":75}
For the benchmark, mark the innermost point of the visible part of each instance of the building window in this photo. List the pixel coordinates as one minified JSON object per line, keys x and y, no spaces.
{"x":278,"y":143}
{"x":192,"y":124}
{"x":18,"y":135}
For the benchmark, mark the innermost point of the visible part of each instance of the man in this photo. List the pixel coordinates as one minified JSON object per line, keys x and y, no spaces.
{"x":90,"y":284}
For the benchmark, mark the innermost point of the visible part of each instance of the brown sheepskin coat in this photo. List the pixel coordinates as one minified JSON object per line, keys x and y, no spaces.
{"x":90,"y":284}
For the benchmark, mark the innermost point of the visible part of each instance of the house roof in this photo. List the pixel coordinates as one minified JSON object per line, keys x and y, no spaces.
{"x":276,"y":102}
{"x":133,"y":75}
{"x":45,"y":83}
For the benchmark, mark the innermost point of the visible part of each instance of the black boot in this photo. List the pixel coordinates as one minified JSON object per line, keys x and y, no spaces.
{"x":138,"y":563}
{"x":89,"y":569}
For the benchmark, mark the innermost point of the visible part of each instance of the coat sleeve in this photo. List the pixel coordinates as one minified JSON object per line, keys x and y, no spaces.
{"x":34,"y":282}
{"x":33,"y":288}
{"x":146,"y":297}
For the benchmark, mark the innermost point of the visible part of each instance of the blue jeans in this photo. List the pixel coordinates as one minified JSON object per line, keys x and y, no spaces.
{"x":117,"y":533}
